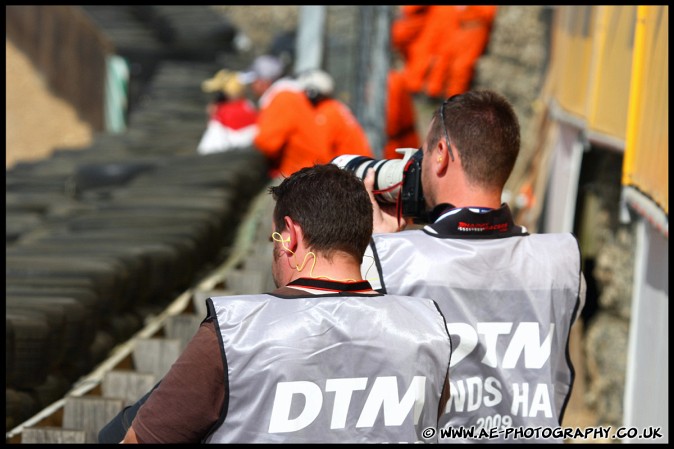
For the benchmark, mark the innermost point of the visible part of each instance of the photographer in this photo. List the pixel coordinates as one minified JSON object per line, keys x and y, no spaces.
{"x":322,"y":359}
{"x":510,"y":297}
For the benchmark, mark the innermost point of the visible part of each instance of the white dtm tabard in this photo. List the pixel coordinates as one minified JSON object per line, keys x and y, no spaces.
{"x":333,"y":369}
{"x":509,"y":299}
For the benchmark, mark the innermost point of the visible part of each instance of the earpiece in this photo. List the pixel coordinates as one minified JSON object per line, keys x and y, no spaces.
{"x":277,"y":237}
{"x":439,"y":158}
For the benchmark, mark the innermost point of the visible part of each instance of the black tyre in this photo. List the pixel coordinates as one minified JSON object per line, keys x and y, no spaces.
{"x":56,"y":320}
{"x":30,"y":361}
{"x":19,"y":406}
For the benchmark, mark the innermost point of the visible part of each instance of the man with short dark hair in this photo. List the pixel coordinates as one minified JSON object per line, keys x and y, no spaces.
{"x":322,"y":359}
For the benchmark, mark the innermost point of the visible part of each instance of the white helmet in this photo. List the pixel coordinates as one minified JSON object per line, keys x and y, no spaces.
{"x":317,"y":81}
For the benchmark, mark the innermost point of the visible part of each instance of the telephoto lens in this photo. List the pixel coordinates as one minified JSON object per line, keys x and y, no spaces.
{"x":388,"y":173}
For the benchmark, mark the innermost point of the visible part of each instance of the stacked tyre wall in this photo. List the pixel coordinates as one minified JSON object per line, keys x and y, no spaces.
{"x":100,"y":240}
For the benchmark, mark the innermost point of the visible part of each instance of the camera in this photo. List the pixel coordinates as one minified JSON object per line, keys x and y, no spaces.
{"x":396,"y":181}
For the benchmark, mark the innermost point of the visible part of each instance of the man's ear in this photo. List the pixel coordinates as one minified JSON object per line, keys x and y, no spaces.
{"x":294,"y":233}
{"x":442,"y":159}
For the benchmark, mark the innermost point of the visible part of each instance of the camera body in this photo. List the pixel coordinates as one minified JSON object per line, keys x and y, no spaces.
{"x":397,"y":181}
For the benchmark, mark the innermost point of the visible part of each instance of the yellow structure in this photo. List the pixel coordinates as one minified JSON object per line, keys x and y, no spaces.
{"x":606,"y":98}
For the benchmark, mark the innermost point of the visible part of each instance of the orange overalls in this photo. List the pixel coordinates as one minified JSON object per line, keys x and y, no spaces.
{"x":344,"y":133}
{"x":406,"y":28}
{"x":401,"y":127}
{"x":454,"y":69}
{"x":440,"y":60}
{"x":440,"y":23}
{"x":289,"y":135}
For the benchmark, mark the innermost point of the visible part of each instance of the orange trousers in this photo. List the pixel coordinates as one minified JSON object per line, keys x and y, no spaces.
{"x":401,"y":128}
{"x":441,"y":59}
{"x":454,"y":69}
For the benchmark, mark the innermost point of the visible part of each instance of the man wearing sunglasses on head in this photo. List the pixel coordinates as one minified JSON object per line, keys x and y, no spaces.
{"x":510,"y":297}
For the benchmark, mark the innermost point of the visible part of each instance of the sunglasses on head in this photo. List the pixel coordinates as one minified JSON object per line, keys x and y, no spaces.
{"x":444,"y":127}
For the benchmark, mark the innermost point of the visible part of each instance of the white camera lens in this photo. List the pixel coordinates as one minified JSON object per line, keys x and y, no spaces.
{"x":388,"y":173}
